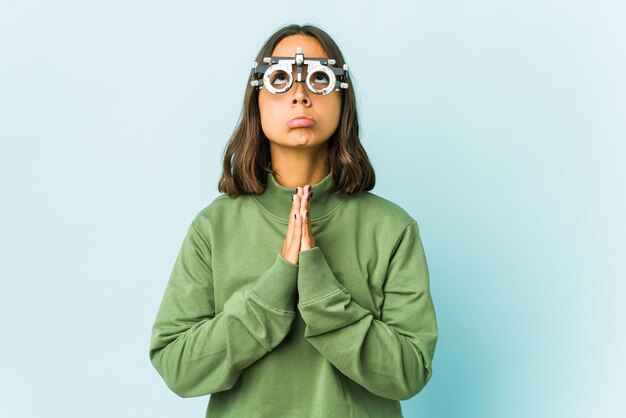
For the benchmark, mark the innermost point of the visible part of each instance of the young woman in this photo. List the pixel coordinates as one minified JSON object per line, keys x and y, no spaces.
{"x":297,"y":292}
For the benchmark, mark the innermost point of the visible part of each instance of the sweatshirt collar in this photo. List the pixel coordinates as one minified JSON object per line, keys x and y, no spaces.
{"x":277,"y":198}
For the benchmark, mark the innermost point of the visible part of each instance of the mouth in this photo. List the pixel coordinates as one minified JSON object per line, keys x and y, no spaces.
{"x":301,"y":122}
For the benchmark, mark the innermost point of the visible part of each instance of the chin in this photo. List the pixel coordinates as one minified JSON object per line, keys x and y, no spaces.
{"x":304,"y":137}
{"x":303,"y":141}
{"x":300,"y":137}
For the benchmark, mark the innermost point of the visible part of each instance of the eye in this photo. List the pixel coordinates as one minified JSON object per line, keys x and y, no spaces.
{"x":320,"y":79}
{"x":279,"y":79}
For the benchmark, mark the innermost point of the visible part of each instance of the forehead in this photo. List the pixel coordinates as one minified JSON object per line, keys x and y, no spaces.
{"x":288,"y":46}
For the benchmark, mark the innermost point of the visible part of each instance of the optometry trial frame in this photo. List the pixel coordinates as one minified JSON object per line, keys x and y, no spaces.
{"x":322,"y":76}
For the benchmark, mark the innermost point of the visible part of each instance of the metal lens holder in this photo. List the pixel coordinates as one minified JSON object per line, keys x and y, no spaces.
{"x":336,"y":76}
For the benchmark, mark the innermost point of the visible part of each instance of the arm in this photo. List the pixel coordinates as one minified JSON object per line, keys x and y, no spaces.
{"x":390,"y":357}
{"x":197,"y":352}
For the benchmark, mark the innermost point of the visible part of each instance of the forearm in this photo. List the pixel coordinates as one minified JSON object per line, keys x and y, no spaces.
{"x":210,"y":355}
{"x":367,"y":350}
{"x":198,"y":352}
{"x":391,"y":357}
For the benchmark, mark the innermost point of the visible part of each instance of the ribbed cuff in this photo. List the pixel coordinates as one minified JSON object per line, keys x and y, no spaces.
{"x":315,"y":278}
{"x":277,"y":286}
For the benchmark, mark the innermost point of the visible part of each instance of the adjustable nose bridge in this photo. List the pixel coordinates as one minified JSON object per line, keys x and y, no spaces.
{"x":299,"y":65}
{"x":299,"y":88}
{"x":303,"y":73}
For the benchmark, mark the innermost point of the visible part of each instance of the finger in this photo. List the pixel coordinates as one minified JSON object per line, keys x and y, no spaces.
{"x":294,"y":247}
{"x":297,"y":233}
{"x":298,"y":200}
{"x":305,"y":228}
{"x":306,"y":201}
{"x":305,"y":241}
{"x":309,"y":197}
{"x":291,"y":224}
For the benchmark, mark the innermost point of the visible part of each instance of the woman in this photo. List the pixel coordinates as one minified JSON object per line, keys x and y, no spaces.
{"x":339,"y":322}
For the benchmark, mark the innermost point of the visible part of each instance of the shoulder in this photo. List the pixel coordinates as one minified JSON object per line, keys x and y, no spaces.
{"x":221,"y":206}
{"x":383,"y":210}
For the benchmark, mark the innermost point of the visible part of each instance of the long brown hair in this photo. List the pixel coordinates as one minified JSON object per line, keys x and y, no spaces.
{"x":247,"y":158}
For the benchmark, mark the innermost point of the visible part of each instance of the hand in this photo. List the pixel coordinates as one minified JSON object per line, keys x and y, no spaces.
{"x":299,"y":234}
{"x":306,"y":240}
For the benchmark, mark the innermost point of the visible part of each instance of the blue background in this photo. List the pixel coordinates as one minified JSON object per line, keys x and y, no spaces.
{"x":498,"y":125}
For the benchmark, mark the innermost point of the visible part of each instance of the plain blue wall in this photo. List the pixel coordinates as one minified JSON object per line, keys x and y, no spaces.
{"x":498,"y":125}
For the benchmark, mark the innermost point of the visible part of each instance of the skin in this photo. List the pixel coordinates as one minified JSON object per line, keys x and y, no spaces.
{"x":299,"y":155}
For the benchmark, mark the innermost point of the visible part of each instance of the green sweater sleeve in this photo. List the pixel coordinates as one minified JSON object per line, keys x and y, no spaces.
{"x":390,"y":357}
{"x":198,"y":352}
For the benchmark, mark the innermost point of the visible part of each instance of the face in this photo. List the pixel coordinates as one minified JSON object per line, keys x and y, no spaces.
{"x":279,"y":110}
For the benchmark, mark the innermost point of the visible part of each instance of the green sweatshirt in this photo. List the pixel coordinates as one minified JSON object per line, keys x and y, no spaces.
{"x":347,"y":332}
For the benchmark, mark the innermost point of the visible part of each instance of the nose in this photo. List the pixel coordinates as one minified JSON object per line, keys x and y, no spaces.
{"x":300,"y":94}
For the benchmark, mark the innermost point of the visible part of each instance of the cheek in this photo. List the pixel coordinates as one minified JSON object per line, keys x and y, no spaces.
{"x":336,"y":112}
{"x":269,"y":115}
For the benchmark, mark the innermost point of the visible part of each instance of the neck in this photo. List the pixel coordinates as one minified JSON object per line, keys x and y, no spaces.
{"x":296,"y":168}
{"x":276,"y":198}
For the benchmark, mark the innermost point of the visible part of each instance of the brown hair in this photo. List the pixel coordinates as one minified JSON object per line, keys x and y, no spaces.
{"x":247,"y":158}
